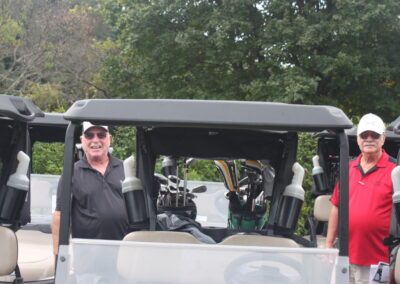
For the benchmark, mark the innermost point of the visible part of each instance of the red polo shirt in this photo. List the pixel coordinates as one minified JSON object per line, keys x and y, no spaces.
{"x":370,"y":208}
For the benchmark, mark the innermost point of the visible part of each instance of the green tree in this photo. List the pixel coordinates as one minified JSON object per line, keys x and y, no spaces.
{"x":124,"y":141}
{"x":47,"y":158}
{"x":336,"y":52}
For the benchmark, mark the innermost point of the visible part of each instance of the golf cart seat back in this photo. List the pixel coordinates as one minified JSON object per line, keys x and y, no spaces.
{"x":322,"y":208}
{"x":8,"y":251}
{"x":36,"y":258}
{"x":258,"y":240}
{"x":397,"y":269}
{"x":162,"y":237}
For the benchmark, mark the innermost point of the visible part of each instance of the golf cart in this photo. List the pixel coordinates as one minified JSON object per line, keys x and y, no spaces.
{"x":259,"y":241}
{"x":32,"y":226}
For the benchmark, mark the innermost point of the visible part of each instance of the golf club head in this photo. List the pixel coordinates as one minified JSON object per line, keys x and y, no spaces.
{"x":191,"y":196}
{"x":199,"y":189}
{"x":171,"y":189}
{"x":161,"y":178}
{"x":228,"y":170}
{"x":174,"y":179}
{"x":190,"y":161}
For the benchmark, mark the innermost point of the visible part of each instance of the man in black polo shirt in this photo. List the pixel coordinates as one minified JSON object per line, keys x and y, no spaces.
{"x":98,"y":208}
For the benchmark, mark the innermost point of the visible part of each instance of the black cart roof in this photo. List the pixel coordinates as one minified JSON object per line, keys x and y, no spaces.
{"x":18,"y":108}
{"x":49,"y":128}
{"x":209,"y":114}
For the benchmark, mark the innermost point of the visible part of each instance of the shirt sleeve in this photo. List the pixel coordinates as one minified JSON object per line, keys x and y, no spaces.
{"x":335,"y":196}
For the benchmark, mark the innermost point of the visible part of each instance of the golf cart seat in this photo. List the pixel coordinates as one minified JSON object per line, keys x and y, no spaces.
{"x":35,"y":255}
{"x":258,"y":240}
{"x":397,"y":269}
{"x":8,"y":251}
{"x":322,"y":210}
{"x":162,"y":237}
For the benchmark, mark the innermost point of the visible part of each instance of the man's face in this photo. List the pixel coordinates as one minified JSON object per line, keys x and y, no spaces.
{"x":96,"y":142}
{"x":370,"y":142}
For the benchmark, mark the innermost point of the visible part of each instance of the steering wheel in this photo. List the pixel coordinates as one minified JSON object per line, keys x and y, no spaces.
{"x":271,"y":268}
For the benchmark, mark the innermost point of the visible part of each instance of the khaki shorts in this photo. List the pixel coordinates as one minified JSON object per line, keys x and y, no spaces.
{"x":359,"y":274}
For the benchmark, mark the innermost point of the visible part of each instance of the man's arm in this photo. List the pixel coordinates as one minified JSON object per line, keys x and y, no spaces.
{"x":332,"y":227}
{"x":55,"y":229}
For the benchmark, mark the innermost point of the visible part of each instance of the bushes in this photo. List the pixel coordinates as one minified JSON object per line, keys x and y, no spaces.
{"x":47,"y":158}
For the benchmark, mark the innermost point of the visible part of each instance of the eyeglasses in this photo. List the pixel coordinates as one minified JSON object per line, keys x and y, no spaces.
{"x":373,"y":135}
{"x":100,"y":135}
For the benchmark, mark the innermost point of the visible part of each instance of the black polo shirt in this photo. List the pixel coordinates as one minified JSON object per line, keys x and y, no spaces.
{"x":98,"y":208}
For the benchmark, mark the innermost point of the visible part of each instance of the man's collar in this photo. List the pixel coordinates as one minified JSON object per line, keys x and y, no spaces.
{"x":381,"y":162}
{"x":83,"y":163}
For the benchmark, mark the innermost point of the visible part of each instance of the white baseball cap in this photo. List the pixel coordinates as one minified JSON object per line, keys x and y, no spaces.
{"x":87,"y":125}
{"x":371,"y":122}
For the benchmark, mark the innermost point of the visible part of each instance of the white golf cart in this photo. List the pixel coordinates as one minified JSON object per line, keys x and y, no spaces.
{"x":258,"y":244}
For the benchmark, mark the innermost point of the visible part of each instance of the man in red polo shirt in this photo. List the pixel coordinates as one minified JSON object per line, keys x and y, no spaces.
{"x":370,"y":201}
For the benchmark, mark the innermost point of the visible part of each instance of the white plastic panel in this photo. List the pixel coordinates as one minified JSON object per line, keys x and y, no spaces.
{"x":89,"y":261}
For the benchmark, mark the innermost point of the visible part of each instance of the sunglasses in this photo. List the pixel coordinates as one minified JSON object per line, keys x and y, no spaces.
{"x":100,"y":135}
{"x":373,"y":135}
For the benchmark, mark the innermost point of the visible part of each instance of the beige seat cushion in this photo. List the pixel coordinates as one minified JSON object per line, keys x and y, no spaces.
{"x":397,"y":269}
{"x":8,"y":251}
{"x":258,"y":240}
{"x":322,"y":208}
{"x":162,"y":237}
{"x":35,"y":256}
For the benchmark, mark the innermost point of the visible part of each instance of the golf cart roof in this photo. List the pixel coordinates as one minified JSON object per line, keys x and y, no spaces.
{"x":209,"y":114}
{"x":18,"y":108}
{"x":50,"y":119}
{"x":49,"y":128}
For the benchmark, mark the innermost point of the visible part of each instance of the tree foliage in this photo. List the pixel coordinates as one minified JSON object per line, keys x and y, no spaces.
{"x":335,"y":52}
{"x":342,"y":52}
{"x":47,"y":158}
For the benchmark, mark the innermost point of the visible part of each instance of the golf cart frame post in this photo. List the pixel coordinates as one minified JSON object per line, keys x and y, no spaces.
{"x":210,"y":115}
{"x":15,"y":114}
